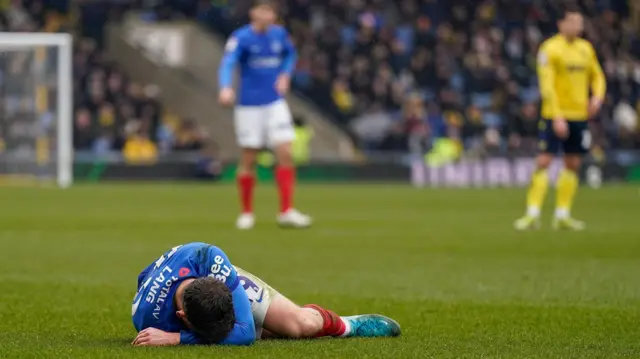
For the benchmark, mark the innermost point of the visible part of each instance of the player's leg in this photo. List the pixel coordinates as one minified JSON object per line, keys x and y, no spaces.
{"x":276,"y":316}
{"x":251,"y":138}
{"x":281,"y":135}
{"x":575,"y":147}
{"x":285,"y":319}
{"x":537,"y":191}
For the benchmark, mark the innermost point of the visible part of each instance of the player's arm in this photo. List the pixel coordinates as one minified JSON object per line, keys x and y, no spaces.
{"x":290,"y":55}
{"x":244,"y":330}
{"x":546,"y":79}
{"x":229,"y":61}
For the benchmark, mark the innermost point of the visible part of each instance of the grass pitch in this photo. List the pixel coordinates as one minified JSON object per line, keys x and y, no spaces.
{"x":445,"y":263}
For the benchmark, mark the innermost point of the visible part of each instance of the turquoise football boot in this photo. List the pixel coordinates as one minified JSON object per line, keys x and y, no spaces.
{"x":372,"y":326}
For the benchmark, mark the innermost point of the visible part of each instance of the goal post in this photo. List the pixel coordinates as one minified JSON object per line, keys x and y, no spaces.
{"x":36,"y":106}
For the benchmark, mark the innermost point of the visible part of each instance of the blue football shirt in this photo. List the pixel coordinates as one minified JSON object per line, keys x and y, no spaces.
{"x":154,"y":306}
{"x":260,"y":57}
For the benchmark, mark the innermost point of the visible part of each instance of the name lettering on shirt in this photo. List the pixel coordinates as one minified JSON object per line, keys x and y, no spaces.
{"x":265,"y":62}
{"x":159,"y":290}
{"x":220,"y":270}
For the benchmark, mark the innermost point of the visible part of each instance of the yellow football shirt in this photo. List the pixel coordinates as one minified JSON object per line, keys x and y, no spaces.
{"x":566,"y":72}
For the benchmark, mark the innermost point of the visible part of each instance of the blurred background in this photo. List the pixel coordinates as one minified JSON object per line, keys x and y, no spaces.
{"x":438,"y":93}
{"x":430,"y":90}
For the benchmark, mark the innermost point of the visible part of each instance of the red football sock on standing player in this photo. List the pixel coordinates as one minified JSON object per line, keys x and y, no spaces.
{"x":333,"y":326}
{"x":246,"y":182}
{"x":285,"y":177}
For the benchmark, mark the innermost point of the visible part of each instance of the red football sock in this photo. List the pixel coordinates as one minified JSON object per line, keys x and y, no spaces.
{"x":285,"y":177}
{"x":246,"y":182}
{"x":333,"y":325}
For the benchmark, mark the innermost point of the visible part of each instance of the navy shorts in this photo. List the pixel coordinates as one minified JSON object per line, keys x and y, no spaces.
{"x":578,"y":142}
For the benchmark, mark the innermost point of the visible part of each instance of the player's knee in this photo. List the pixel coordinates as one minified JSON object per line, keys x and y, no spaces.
{"x":284,"y":155}
{"x":286,"y":161}
{"x":543,"y":161}
{"x":247,"y":161}
{"x":572,"y":162}
{"x":245,"y":169}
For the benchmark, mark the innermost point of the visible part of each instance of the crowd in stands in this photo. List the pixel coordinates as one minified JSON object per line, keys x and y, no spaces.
{"x":397,"y":73}
{"x":111,"y":112}
{"x":470,"y":64}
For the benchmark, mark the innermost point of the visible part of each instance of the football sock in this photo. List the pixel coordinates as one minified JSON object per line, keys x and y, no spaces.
{"x":285,"y":178}
{"x":333,"y":325}
{"x":537,"y":192}
{"x":246,"y":183}
{"x":565,"y":192}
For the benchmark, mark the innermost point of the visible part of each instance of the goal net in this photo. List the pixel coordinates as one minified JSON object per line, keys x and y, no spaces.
{"x":36,"y":102}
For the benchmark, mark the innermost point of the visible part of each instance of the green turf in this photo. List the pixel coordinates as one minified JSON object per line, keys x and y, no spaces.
{"x":445,"y":263}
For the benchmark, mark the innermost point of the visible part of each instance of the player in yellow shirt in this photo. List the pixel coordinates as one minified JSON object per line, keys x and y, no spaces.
{"x":567,"y":69}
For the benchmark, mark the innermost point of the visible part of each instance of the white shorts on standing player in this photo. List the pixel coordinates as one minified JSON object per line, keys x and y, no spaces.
{"x":264,"y":126}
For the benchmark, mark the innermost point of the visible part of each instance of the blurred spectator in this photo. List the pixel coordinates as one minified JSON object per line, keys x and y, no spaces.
{"x":138,"y":148}
{"x":188,"y":137}
{"x":411,"y":129}
{"x":301,"y":149}
{"x":209,"y":165}
{"x":625,"y":116}
{"x":84,"y":133}
{"x":523,"y":129}
{"x":107,"y":101}
{"x":342,"y":96}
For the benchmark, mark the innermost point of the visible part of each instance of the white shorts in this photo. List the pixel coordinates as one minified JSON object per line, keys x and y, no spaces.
{"x":260,"y":296}
{"x":264,"y":126}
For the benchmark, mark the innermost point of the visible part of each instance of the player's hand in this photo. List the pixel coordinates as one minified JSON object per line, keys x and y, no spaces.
{"x":227,"y":96}
{"x":561,"y":128}
{"x":594,"y":106}
{"x":152,"y":337}
{"x":283,"y":83}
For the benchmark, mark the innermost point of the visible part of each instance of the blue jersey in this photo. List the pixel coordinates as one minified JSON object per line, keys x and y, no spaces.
{"x":261,"y":57}
{"x":154,"y":305}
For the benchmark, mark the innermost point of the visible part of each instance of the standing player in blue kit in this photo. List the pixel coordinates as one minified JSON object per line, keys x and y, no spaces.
{"x":266,"y":58}
{"x":192,"y":294}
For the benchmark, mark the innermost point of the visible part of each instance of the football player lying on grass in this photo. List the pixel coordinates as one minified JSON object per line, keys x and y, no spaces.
{"x":194,"y":295}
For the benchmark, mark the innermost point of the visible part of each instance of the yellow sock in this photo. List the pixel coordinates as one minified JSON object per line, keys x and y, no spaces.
{"x":565,"y":192}
{"x":537,"y":192}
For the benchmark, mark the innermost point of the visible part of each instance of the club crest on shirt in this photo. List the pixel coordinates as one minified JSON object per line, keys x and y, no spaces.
{"x":542,"y":59}
{"x":276,"y":47}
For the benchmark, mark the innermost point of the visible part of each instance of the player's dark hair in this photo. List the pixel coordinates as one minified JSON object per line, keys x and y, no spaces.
{"x":568,"y":8}
{"x":208,"y":306}
{"x":270,"y":3}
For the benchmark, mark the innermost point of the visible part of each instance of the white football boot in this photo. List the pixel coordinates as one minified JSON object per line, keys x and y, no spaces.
{"x":294,"y":219}
{"x":245,"y":221}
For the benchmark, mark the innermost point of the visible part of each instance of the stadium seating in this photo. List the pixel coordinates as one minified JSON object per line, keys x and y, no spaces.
{"x":401,"y":75}
{"x":471,"y":62}
{"x":111,"y":112}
